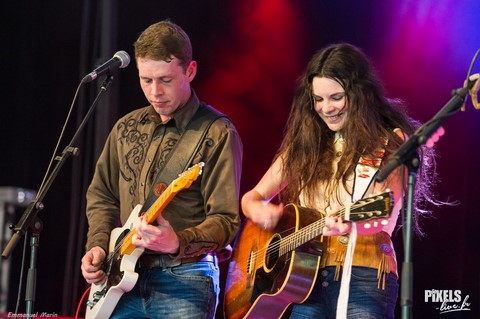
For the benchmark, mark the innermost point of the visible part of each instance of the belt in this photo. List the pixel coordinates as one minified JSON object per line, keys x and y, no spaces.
{"x":149,"y":261}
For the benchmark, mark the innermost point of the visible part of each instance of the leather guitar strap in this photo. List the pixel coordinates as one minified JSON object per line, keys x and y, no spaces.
{"x":366,"y":170}
{"x":181,"y":157}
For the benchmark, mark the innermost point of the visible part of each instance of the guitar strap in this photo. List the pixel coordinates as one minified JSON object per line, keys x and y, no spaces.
{"x":181,"y":156}
{"x":365,"y":171}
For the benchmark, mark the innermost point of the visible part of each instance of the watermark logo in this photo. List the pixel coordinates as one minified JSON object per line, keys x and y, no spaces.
{"x":450,"y":300}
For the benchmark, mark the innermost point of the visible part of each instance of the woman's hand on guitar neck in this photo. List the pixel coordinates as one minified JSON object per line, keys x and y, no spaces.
{"x":335,"y":226}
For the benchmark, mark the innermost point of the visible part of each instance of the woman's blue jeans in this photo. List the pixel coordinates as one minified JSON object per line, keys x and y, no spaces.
{"x":189,"y":290}
{"x":366,"y":301}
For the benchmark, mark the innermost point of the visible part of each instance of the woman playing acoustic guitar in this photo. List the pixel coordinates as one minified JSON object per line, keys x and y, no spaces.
{"x":340,"y":132}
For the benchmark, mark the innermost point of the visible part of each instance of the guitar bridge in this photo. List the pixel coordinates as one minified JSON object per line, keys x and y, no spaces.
{"x":96,"y":297}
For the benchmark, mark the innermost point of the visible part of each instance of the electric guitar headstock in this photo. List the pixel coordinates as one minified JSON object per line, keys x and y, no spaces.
{"x":186,"y":178}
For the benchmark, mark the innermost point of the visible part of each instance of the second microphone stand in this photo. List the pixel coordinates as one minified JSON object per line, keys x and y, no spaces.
{"x":407,"y":155}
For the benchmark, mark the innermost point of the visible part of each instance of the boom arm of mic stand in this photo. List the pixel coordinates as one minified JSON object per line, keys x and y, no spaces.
{"x":408,"y":149}
{"x":30,"y":214}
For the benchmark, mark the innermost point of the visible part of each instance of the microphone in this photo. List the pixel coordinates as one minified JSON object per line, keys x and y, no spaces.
{"x":121,"y":59}
{"x":407,"y":152}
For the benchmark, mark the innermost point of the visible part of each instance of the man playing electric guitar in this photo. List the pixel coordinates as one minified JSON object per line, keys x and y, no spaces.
{"x":178,"y":274}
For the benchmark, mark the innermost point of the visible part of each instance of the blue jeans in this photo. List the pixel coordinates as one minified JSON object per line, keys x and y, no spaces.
{"x":186,"y":291}
{"x":366,"y":301}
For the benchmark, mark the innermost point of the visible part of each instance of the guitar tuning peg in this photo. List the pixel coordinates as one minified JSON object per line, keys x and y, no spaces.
{"x":384,"y":222}
{"x":367,"y":225}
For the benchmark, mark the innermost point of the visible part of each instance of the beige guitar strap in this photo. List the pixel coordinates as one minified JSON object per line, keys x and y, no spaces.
{"x":365,"y":171}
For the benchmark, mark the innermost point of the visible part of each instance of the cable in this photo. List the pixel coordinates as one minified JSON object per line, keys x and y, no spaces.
{"x":80,"y":302}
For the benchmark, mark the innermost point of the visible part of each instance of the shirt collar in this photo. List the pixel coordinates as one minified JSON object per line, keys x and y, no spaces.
{"x":182,"y":115}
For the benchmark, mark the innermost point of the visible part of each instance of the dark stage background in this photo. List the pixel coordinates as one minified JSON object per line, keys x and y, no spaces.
{"x":249,"y":54}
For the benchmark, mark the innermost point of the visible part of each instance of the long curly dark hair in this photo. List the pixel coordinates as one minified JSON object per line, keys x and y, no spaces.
{"x":307,"y":149}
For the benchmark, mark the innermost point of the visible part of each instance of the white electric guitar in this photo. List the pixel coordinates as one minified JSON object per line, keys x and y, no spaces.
{"x":119,"y":265}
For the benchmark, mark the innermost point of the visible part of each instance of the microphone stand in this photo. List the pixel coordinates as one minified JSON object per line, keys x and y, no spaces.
{"x":30,"y":222}
{"x":407,"y":155}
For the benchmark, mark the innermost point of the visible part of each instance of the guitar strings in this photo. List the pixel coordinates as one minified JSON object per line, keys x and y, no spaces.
{"x":120,"y":243}
{"x":290,"y":242}
{"x":160,"y":199}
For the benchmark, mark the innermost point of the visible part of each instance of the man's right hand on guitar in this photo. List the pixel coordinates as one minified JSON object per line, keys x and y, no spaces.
{"x":92,"y":265}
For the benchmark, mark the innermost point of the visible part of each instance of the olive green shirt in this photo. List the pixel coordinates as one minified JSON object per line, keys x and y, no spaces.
{"x":205,"y":216}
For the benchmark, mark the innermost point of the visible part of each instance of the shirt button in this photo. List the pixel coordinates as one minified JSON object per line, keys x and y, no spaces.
{"x":150,"y":160}
{"x":324,"y":284}
{"x":142,"y":184}
{"x":324,"y":273}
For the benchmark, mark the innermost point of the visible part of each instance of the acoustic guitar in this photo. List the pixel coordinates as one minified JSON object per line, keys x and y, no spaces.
{"x":270,"y":270}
